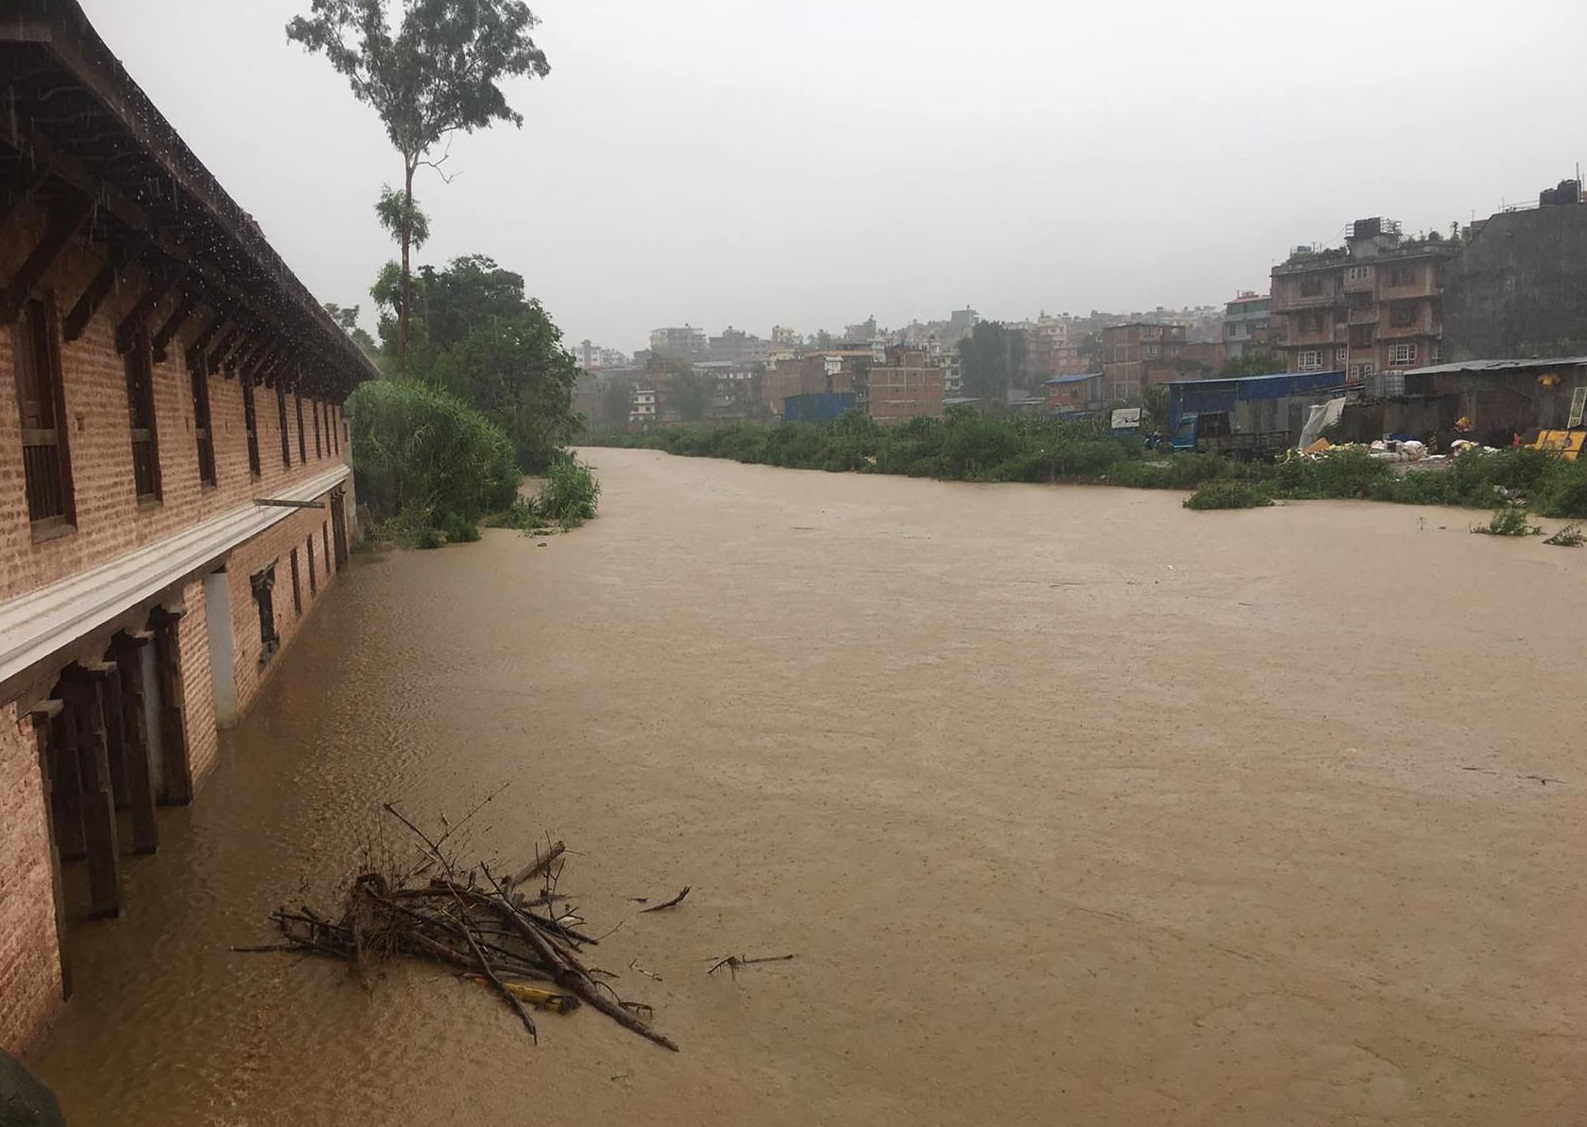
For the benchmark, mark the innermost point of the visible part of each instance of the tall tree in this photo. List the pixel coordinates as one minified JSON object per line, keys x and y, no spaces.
{"x":617,"y":402}
{"x":691,"y":393}
{"x":993,"y":359}
{"x":437,"y":73}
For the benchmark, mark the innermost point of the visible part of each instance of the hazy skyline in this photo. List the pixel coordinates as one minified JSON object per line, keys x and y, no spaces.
{"x":811,"y":163}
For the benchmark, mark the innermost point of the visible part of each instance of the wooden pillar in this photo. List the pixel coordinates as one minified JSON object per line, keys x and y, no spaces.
{"x":115,"y":733}
{"x":85,"y":707}
{"x":47,"y":722}
{"x":66,"y":791}
{"x":176,"y":785}
{"x":128,"y":650}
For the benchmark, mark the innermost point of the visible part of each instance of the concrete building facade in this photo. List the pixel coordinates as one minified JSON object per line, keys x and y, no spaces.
{"x":1372,"y":305}
{"x":1247,"y":325}
{"x":175,"y":486}
{"x":1517,"y":290}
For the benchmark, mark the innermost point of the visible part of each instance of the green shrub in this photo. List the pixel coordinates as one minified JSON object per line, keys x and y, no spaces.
{"x":459,"y":529}
{"x":1508,"y":521}
{"x":1228,"y":495}
{"x":425,"y":455}
{"x":520,"y":515}
{"x":569,"y":494}
{"x":1562,"y":490}
{"x":1343,"y":473}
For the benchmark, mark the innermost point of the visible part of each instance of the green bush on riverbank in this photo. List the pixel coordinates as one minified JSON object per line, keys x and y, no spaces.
{"x":425,"y":460}
{"x":968,"y":446}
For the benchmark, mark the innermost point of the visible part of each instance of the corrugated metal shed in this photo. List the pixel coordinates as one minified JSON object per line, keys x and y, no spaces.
{"x":1497,"y":366}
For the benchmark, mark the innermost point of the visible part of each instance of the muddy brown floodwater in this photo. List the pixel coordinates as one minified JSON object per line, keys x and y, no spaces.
{"x":1076,"y":807}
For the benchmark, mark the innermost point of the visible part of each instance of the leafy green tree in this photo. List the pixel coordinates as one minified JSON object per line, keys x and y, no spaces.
{"x":617,"y":402}
{"x":437,"y":73}
{"x":1090,"y":351}
{"x":346,"y":316}
{"x":691,"y":392}
{"x":992,"y":359}
{"x":515,"y":371}
{"x":472,"y":292}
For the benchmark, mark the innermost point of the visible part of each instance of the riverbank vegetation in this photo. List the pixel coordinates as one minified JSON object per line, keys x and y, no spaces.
{"x":969,"y":446}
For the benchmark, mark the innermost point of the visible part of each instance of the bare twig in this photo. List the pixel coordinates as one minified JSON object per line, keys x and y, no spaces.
{"x":673,"y":903}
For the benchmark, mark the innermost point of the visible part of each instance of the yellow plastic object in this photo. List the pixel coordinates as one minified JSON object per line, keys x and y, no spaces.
{"x":1318,"y":447}
{"x":1568,"y":444}
{"x":552,"y":1000}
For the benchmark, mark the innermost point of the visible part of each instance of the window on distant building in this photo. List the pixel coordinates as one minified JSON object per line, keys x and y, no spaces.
{"x":1366,"y":369}
{"x":1356,"y":273}
{"x":1311,"y":287}
{"x":1403,"y":354}
{"x":1403,"y":276}
{"x":201,"y":422}
{"x":1149,"y":351}
{"x":1403,"y":316}
{"x":1310,"y":360}
{"x":46,"y":461}
{"x":1436,"y":352}
{"x":140,"y":414}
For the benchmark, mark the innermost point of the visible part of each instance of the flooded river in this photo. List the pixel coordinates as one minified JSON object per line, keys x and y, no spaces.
{"x":1075,"y":807}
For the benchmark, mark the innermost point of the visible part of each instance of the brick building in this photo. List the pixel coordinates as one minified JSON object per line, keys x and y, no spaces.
{"x":174,"y":481}
{"x":1132,"y":353}
{"x":908,"y":385}
{"x":1066,"y":395}
{"x":1372,"y":305}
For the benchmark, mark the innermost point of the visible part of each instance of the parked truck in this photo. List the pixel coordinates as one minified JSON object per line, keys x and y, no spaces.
{"x":1246,"y":417}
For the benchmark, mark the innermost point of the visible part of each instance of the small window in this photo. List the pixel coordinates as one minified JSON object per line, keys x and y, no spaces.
{"x":1310,"y":360}
{"x":330,"y":427}
{"x":250,"y":423}
{"x":46,"y":461}
{"x":314,"y":578}
{"x":1356,"y":273}
{"x":263,"y":583}
{"x":1311,"y":287}
{"x":1403,"y":316}
{"x":314,"y":409}
{"x":201,"y":427}
{"x":1403,"y":276}
{"x":303,"y":440}
{"x":297,"y":585}
{"x":1403,"y":354}
{"x":140,"y":416}
{"x":286,"y":440}
{"x":325,"y":543}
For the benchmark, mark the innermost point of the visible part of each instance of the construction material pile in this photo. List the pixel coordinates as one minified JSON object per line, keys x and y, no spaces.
{"x":504,"y":929}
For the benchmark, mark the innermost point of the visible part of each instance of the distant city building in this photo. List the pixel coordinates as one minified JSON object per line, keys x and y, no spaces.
{"x":687,"y":343}
{"x":961,"y":322}
{"x":644,"y":408}
{"x":1373,"y":304}
{"x":908,"y":385}
{"x":1046,"y":344}
{"x":784,"y":337}
{"x":1133,"y":354}
{"x":735,"y":346}
{"x":1073,"y":394}
{"x":593,"y":358}
{"x":1519,"y":288}
{"x":1247,"y":325}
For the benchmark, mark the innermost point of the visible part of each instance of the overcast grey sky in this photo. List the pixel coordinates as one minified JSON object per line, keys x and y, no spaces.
{"x":810,"y":162}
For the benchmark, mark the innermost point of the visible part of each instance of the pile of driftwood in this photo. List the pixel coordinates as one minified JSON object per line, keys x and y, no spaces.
{"x":483,"y":924}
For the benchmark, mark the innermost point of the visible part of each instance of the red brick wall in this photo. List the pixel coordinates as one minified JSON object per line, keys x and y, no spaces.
{"x":109,"y":519}
{"x":30,"y":968}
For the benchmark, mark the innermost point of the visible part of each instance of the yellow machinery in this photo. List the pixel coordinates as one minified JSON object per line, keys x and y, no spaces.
{"x":1567,"y":444}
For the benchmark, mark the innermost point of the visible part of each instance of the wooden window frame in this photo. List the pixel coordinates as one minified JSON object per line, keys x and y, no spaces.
{"x":303,"y":442}
{"x":250,"y":425}
{"x":286,"y":437}
{"x":37,"y":320}
{"x":139,"y":366}
{"x":297,"y":585}
{"x":314,"y":579}
{"x":314,"y":409}
{"x":203,"y":423}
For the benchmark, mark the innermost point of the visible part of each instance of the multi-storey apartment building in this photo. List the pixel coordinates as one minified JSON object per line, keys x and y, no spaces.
{"x":1247,"y":325}
{"x":175,"y":487}
{"x":907,"y":385}
{"x":1132,"y":352}
{"x":1374,"y":304}
{"x":687,"y":343}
